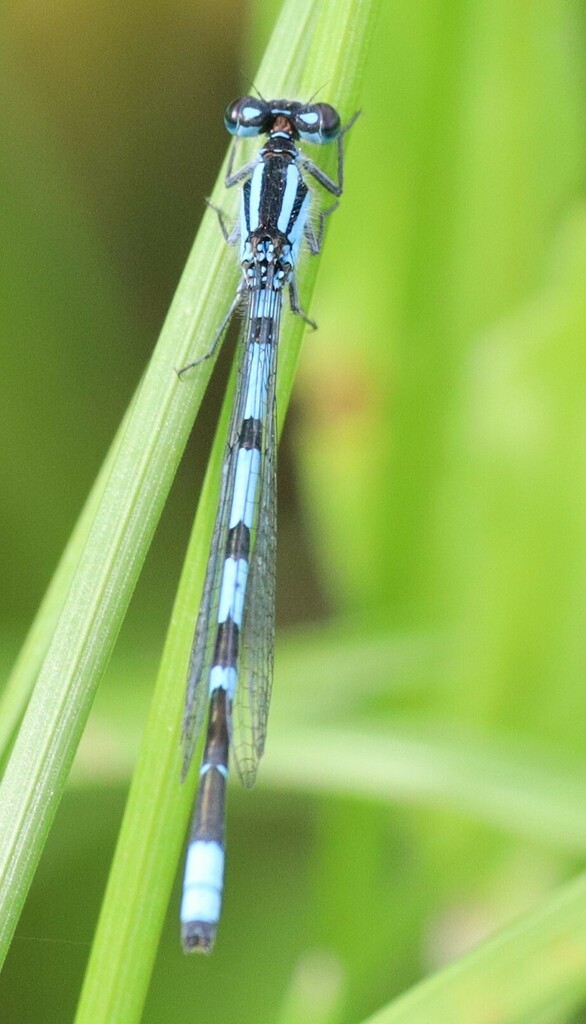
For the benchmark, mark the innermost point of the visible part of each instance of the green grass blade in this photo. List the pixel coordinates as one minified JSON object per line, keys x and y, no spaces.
{"x":139,"y":479}
{"x":513,"y":976}
{"x":417,"y":763}
{"x":158,"y":808}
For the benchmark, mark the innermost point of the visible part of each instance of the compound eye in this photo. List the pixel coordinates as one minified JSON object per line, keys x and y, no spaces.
{"x":246,"y":116}
{"x":317,"y":123}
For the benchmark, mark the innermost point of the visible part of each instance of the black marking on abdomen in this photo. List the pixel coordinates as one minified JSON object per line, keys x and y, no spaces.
{"x":238,"y":542}
{"x":250,"y":434}
{"x":209,"y":821}
{"x":226,"y":649}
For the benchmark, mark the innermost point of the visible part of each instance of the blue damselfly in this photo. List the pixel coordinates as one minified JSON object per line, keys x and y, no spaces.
{"x":231,"y":663}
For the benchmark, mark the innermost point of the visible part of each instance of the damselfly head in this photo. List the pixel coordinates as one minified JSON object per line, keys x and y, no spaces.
{"x":315,"y":122}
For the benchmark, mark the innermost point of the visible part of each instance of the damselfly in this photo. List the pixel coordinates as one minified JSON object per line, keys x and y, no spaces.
{"x":231,"y":662}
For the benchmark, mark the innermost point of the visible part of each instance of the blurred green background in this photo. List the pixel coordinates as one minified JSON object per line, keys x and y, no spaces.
{"x":424,"y":771}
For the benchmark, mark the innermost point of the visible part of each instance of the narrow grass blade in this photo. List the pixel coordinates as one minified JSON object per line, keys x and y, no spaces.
{"x":513,"y":976}
{"x":156,"y":816}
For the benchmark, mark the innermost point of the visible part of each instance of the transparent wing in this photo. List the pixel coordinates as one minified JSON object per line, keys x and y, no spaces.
{"x":247,"y":719}
{"x":202,"y":650}
{"x":251,"y":705}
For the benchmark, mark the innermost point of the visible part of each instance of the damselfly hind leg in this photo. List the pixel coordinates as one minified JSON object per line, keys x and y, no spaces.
{"x":217,"y":336}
